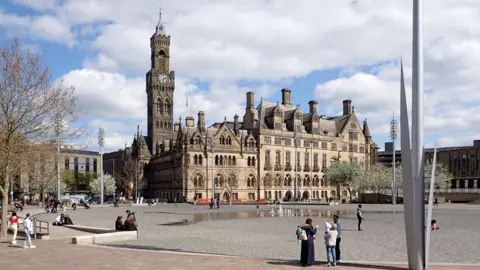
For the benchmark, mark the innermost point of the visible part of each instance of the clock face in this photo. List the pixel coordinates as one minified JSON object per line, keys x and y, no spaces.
{"x":162,"y":78}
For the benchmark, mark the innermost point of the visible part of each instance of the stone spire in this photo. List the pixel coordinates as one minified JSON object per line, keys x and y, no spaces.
{"x":160,"y":29}
{"x":366,"y":130}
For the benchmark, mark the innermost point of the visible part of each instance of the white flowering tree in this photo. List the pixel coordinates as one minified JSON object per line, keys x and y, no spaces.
{"x":108,"y":185}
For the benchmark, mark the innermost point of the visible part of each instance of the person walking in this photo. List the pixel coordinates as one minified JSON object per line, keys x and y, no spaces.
{"x":330,"y":243}
{"x":435,"y":202}
{"x":28,"y":224}
{"x":360,"y":217}
{"x":13,"y":225}
{"x":307,"y":252}
{"x":339,"y":237}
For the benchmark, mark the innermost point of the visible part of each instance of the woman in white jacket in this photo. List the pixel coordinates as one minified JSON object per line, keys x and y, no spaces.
{"x":330,"y":242}
{"x":28,"y":224}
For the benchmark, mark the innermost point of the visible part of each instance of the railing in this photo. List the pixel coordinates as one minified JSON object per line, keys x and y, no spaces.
{"x":40,"y":226}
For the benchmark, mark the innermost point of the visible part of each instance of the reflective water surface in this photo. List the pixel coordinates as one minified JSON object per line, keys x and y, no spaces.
{"x":274,"y":212}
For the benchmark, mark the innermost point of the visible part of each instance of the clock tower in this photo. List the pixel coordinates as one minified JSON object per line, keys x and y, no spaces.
{"x":160,"y":88}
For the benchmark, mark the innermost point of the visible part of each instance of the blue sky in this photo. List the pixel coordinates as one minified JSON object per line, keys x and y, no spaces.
{"x":326,"y":50}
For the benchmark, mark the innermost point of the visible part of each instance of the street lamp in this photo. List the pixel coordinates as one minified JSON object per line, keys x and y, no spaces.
{"x":101,"y":142}
{"x":393,"y":137}
{"x":212,"y":146}
{"x":296,"y":142}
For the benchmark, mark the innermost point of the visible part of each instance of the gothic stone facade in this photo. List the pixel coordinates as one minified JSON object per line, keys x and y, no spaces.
{"x":246,"y":160}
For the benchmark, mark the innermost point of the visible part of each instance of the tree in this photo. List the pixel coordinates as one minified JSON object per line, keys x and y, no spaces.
{"x":442,"y":175}
{"x":347,"y":175}
{"x":378,"y":179}
{"x":33,"y":109}
{"x":109,"y":185}
{"x":131,"y":176}
{"x":230,"y":185}
{"x":42,"y":169}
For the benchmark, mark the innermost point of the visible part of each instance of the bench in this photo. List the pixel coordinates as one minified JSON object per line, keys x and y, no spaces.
{"x":104,"y":238}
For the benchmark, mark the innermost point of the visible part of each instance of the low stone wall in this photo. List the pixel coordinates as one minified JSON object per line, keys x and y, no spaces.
{"x":94,"y":230}
{"x":104,"y":238}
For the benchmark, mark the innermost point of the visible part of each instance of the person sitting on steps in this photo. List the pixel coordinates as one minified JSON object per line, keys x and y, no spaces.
{"x":59,"y":221}
{"x":119,"y":224}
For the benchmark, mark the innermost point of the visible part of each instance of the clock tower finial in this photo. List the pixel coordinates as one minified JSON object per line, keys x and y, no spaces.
{"x":160,"y":29}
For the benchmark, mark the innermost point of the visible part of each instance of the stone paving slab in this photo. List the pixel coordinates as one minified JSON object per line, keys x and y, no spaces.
{"x":52,"y":254}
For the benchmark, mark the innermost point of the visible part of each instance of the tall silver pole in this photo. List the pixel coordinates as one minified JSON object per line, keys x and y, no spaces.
{"x":101,"y":142}
{"x":393,"y":136}
{"x":296,"y":189}
{"x":58,"y":168}
{"x":417,"y":137}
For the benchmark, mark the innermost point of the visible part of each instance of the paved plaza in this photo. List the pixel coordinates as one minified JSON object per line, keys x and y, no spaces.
{"x":238,"y":231}
{"x":57,"y":254}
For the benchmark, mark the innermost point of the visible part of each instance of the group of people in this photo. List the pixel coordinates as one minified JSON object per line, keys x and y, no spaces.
{"x":27,"y":222}
{"x":62,"y":220}
{"x":130,"y":223}
{"x":332,"y":239}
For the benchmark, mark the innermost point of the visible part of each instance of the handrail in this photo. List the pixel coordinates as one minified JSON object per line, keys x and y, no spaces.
{"x":40,"y":226}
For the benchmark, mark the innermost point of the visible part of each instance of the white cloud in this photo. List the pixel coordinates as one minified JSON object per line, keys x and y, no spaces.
{"x":44,"y":27}
{"x":267,"y":42}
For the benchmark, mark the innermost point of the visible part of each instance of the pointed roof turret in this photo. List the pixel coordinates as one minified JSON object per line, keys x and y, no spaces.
{"x":366,"y":130}
{"x":160,"y":29}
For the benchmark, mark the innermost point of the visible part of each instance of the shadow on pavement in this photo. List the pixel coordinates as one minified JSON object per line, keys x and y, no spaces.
{"x":343,"y":265}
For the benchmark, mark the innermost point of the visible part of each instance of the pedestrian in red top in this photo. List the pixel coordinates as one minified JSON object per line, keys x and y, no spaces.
{"x":13,"y":225}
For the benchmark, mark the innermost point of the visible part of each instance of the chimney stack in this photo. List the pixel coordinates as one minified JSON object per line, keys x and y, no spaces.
{"x":189,"y":121}
{"x":286,"y":97}
{"x":313,"y":106}
{"x":201,"y":121}
{"x":250,"y":100}
{"x":347,"y":107}
{"x":236,"y":124}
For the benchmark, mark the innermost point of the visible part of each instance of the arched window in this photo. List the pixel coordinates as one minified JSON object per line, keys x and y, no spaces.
{"x":191,"y":141}
{"x":229,"y":140}
{"x":288,"y":180}
{"x":249,"y":162}
{"x":267,"y":180}
{"x":216,"y":160}
{"x":219,"y":180}
{"x":251,"y":143}
{"x":195,"y":160}
{"x":251,"y":181}
{"x":299,"y":181}
{"x":232,"y":181}
{"x":198,"y":181}
{"x":316,"y":181}
{"x":278,"y":180}
{"x":158,"y":124}
{"x":253,"y":162}
{"x":234,"y":161}
{"x":200,"y":160}
{"x":221,"y":160}
{"x":159,"y":106}
{"x":167,"y":107}
{"x":197,"y":140}
{"x":306,"y":181}
{"x":229,"y":160}
{"x":222,"y":140}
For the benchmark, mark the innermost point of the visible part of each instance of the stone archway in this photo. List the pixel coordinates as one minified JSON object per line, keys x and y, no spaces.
{"x":306,"y":195}
{"x":226,"y":196}
{"x":288,"y":196}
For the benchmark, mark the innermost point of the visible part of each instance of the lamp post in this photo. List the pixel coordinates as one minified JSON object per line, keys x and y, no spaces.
{"x":101,"y":142}
{"x":296,"y":142}
{"x":212,"y":146}
{"x":393,"y":136}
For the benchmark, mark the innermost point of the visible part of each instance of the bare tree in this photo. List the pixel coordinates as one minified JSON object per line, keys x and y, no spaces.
{"x":131,"y":177}
{"x":42,"y":169}
{"x":230,"y":185}
{"x":33,"y":109}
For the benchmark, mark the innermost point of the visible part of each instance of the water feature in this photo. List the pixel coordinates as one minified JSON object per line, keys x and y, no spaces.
{"x":273,"y":212}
